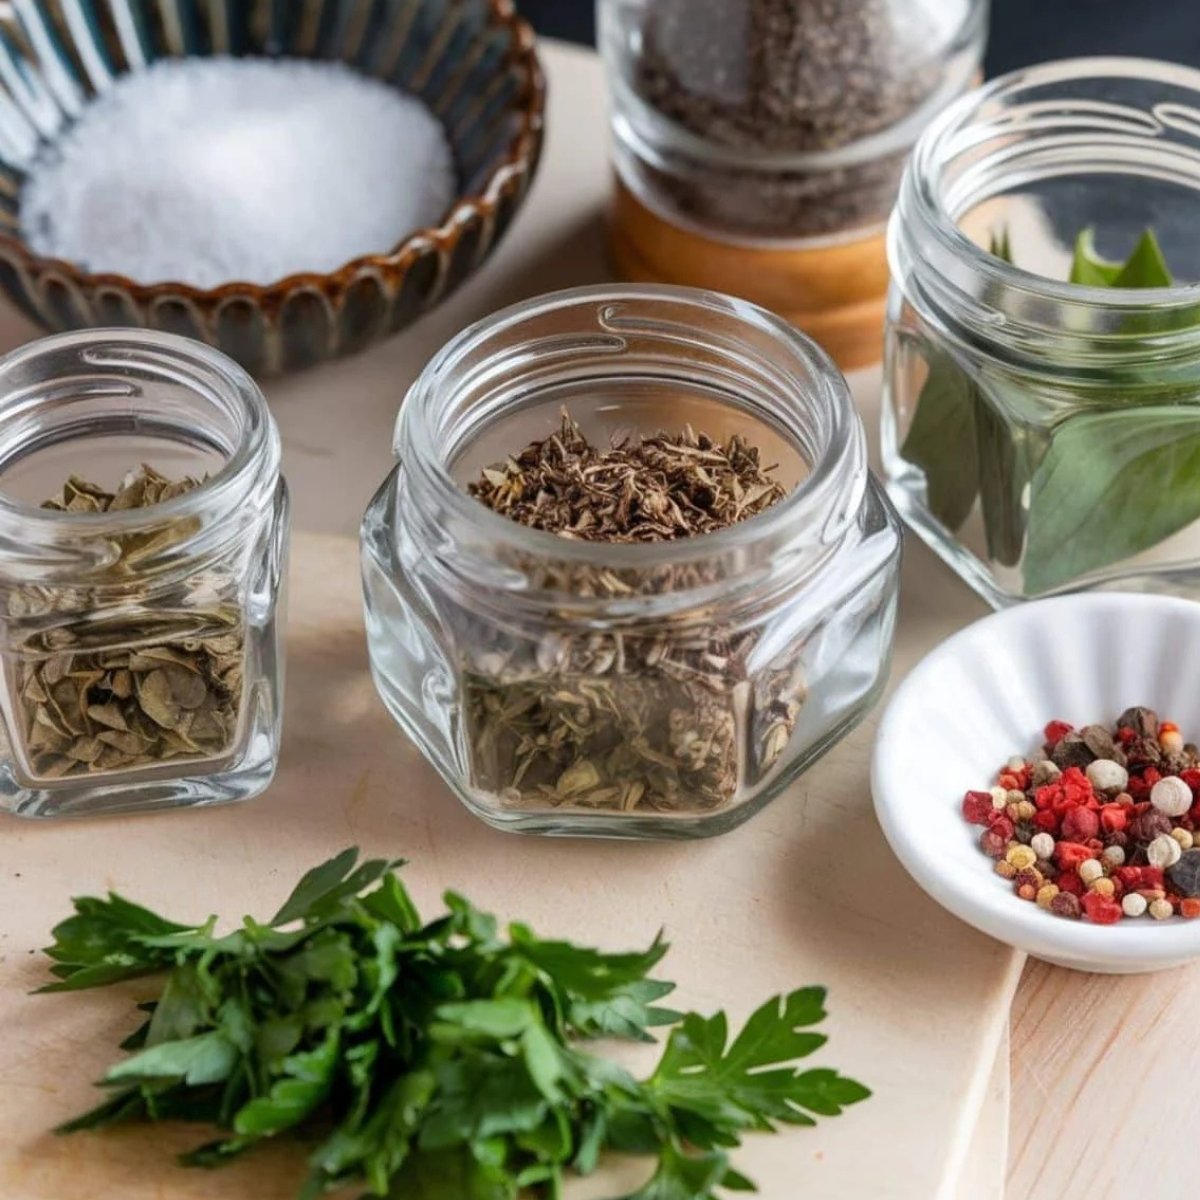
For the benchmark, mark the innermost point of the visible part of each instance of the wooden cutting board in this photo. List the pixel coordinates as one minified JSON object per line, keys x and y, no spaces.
{"x":805,"y":893}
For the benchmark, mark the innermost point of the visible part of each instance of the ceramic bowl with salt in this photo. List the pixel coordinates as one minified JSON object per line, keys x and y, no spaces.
{"x":986,"y":694}
{"x":471,"y":62}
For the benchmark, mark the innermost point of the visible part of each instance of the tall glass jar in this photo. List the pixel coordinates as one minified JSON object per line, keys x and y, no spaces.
{"x":1044,"y":436}
{"x":143,"y":529}
{"x":758,"y":144}
{"x":667,"y":689}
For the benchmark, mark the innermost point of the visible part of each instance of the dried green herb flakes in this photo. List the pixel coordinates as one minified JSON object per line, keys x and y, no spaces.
{"x":125,"y":682}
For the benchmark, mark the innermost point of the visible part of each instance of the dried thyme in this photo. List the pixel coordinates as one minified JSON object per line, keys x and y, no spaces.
{"x":111,"y":680}
{"x":653,"y":490}
{"x":667,"y":717}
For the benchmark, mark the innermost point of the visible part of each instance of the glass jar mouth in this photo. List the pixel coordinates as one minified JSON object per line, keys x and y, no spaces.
{"x":1033,"y":125}
{"x":145,"y":356}
{"x":815,"y":512}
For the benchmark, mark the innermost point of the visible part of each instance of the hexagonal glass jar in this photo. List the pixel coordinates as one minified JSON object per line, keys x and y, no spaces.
{"x":140,"y":638}
{"x":628,"y":690}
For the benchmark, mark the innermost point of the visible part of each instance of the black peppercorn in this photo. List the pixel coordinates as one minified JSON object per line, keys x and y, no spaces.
{"x":1072,"y":751}
{"x":1143,"y":721}
{"x":1184,"y":876}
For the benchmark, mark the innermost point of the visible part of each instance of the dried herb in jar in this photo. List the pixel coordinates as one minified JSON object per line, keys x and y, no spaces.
{"x":108,"y":680}
{"x":665,"y":718}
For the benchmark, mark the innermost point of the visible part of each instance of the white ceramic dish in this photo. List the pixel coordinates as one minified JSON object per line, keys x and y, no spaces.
{"x":985,"y":695}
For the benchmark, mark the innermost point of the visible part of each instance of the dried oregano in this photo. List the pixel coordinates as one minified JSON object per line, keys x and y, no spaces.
{"x":111,"y":679}
{"x":672,"y":717}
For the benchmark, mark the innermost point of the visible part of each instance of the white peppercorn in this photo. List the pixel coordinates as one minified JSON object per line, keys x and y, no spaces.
{"x":1183,"y":837}
{"x":1108,"y":776}
{"x":1133,"y":905}
{"x":1160,"y":910}
{"x":1171,"y":796}
{"x":1164,"y":851}
{"x":1113,"y":856}
{"x":1016,"y":763}
{"x":1042,"y":844}
{"x":1090,"y":869}
{"x":999,"y":797}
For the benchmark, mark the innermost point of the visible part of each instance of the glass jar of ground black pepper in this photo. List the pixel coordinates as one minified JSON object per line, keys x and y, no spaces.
{"x":759,"y":144}
{"x":1041,"y":422}
{"x":143,"y":526}
{"x":661,"y":687}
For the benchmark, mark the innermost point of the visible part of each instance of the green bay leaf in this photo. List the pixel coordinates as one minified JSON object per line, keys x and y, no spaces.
{"x":1146,"y":267}
{"x":1088,"y":269}
{"x":942,"y":440}
{"x":1112,"y":485}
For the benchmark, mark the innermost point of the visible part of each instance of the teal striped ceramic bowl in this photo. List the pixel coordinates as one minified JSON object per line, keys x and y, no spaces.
{"x":471,"y":61}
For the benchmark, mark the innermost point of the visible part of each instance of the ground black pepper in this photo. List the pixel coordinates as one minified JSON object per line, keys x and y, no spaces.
{"x":787,"y":76}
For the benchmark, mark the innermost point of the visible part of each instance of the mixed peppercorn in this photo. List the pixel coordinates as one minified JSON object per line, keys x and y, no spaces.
{"x":1103,"y":825}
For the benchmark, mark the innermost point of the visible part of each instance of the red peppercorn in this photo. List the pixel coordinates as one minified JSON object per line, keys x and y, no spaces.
{"x":1114,"y":817}
{"x":1125,"y":735}
{"x":977,"y":807}
{"x":1130,"y":878}
{"x":1055,"y":731}
{"x":1001,"y":824}
{"x":1046,"y":822}
{"x":993,"y":844}
{"x":1190,"y":908}
{"x":1150,"y":776}
{"x":1070,"y":854}
{"x":1101,"y":909}
{"x":1066,"y":904}
{"x":1069,"y":881}
{"x":1192,"y":778}
{"x":1080,"y":824}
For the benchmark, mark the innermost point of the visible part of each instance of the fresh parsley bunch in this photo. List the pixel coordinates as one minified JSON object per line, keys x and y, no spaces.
{"x":433,"y":1060}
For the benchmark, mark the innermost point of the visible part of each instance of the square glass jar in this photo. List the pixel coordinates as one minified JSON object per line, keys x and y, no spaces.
{"x":665,"y":689}
{"x":140,"y":637}
{"x":1044,"y":436}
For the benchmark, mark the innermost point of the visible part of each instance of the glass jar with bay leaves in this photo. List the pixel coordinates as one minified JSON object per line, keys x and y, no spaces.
{"x":143,"y":526}
{"x":671,"y":682}
{"x":1042,"y":389}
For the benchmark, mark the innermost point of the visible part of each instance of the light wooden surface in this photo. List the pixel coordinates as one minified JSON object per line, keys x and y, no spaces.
{"x":806,"y":892}
{"x":1095,"y":1060}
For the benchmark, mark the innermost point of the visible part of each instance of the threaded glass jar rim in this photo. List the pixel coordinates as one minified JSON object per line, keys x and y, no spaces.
{"x":251,"y":462}
{"x":818,"y":416}
{"x":1001,"y":134}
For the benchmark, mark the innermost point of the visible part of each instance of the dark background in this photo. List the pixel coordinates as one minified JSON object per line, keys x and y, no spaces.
{"x":1023,"y":31}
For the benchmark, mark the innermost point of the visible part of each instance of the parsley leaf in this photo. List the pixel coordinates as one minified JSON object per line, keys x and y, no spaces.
{"x":433,"y":1060}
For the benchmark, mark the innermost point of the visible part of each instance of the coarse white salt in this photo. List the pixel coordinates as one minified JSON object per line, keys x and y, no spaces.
{"x":205,"y":171}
